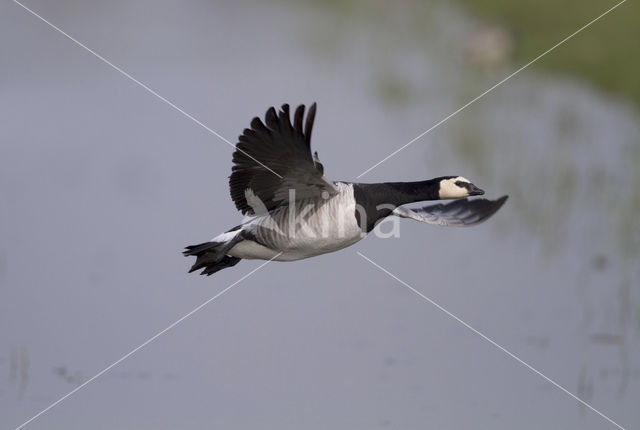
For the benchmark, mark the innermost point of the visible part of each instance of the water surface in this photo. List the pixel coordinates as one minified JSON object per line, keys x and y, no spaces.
{"x":103,"y":184}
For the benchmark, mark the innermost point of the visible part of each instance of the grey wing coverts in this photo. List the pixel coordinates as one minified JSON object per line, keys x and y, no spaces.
{"x":459,"y":213}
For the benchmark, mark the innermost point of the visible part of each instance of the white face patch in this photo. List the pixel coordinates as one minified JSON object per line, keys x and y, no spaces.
{"x":449,"y":189}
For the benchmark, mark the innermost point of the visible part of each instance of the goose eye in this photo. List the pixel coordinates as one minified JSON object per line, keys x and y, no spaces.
{"x":461,"y":184}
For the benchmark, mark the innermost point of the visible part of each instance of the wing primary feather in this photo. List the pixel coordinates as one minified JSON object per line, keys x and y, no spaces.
{"x":258,"y":126}
{"x":285,"y":123}
{"x":308,"y":126}
{"x":317,"y":163}
{"x":297,"y":119}
{"x":272,"y":119}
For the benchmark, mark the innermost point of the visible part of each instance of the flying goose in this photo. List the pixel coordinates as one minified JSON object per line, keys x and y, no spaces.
{"x":294,"y":212}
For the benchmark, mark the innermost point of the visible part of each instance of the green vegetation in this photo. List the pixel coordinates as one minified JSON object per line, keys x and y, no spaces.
{"x":605,"y":53}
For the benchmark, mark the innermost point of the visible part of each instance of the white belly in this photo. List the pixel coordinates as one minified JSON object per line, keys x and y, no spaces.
{"x":304,"y":230}
{"x":253,"y":250}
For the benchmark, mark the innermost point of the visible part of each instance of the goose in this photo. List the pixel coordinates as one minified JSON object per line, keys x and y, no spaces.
{"x":292,"y":211}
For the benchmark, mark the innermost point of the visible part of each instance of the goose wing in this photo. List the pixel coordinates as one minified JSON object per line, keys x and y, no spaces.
{"x":459,"y":213}
{"x":274,"y":157}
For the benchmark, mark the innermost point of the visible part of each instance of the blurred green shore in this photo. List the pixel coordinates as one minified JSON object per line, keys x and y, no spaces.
{"x":606,"y":53}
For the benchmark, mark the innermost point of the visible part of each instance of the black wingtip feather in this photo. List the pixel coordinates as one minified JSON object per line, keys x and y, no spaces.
{"x":257,"y":125}
{"x":308,"y":126}
{"x":271,"y":118}
{"x":285,"y":120}
{"x":297,"y":119}
{"x":495,"y":206}
{"x":498,"y":203}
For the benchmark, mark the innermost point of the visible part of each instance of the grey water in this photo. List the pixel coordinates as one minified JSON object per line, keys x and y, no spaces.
{"x":102,"y":184}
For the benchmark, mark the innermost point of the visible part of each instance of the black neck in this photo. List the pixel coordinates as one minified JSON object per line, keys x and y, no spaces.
{"x":402,"y":193}
{"x":377,"y":201}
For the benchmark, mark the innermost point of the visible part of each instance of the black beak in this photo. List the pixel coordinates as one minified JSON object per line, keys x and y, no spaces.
{"x":475,"y":191}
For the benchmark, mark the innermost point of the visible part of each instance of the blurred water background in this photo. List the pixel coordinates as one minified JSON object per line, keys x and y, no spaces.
{"x":102,"y":185}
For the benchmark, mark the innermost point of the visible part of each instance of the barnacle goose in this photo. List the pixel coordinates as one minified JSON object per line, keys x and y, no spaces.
{"x":294,"y":212}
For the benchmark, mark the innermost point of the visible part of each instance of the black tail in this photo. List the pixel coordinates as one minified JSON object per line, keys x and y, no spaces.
{"x":208,"y":257}
{"x":200,"y":248}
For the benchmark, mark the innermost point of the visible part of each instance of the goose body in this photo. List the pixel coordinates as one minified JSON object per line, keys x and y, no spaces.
{"x":294,"y":212}
{"x":304,"y":229}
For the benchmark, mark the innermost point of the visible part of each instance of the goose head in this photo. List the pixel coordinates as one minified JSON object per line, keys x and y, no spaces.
{"x":457,"y":187}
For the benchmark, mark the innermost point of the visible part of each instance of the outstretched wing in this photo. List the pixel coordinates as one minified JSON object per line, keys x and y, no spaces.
{"x":273,"y":158}
{"x":459,"y":213}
